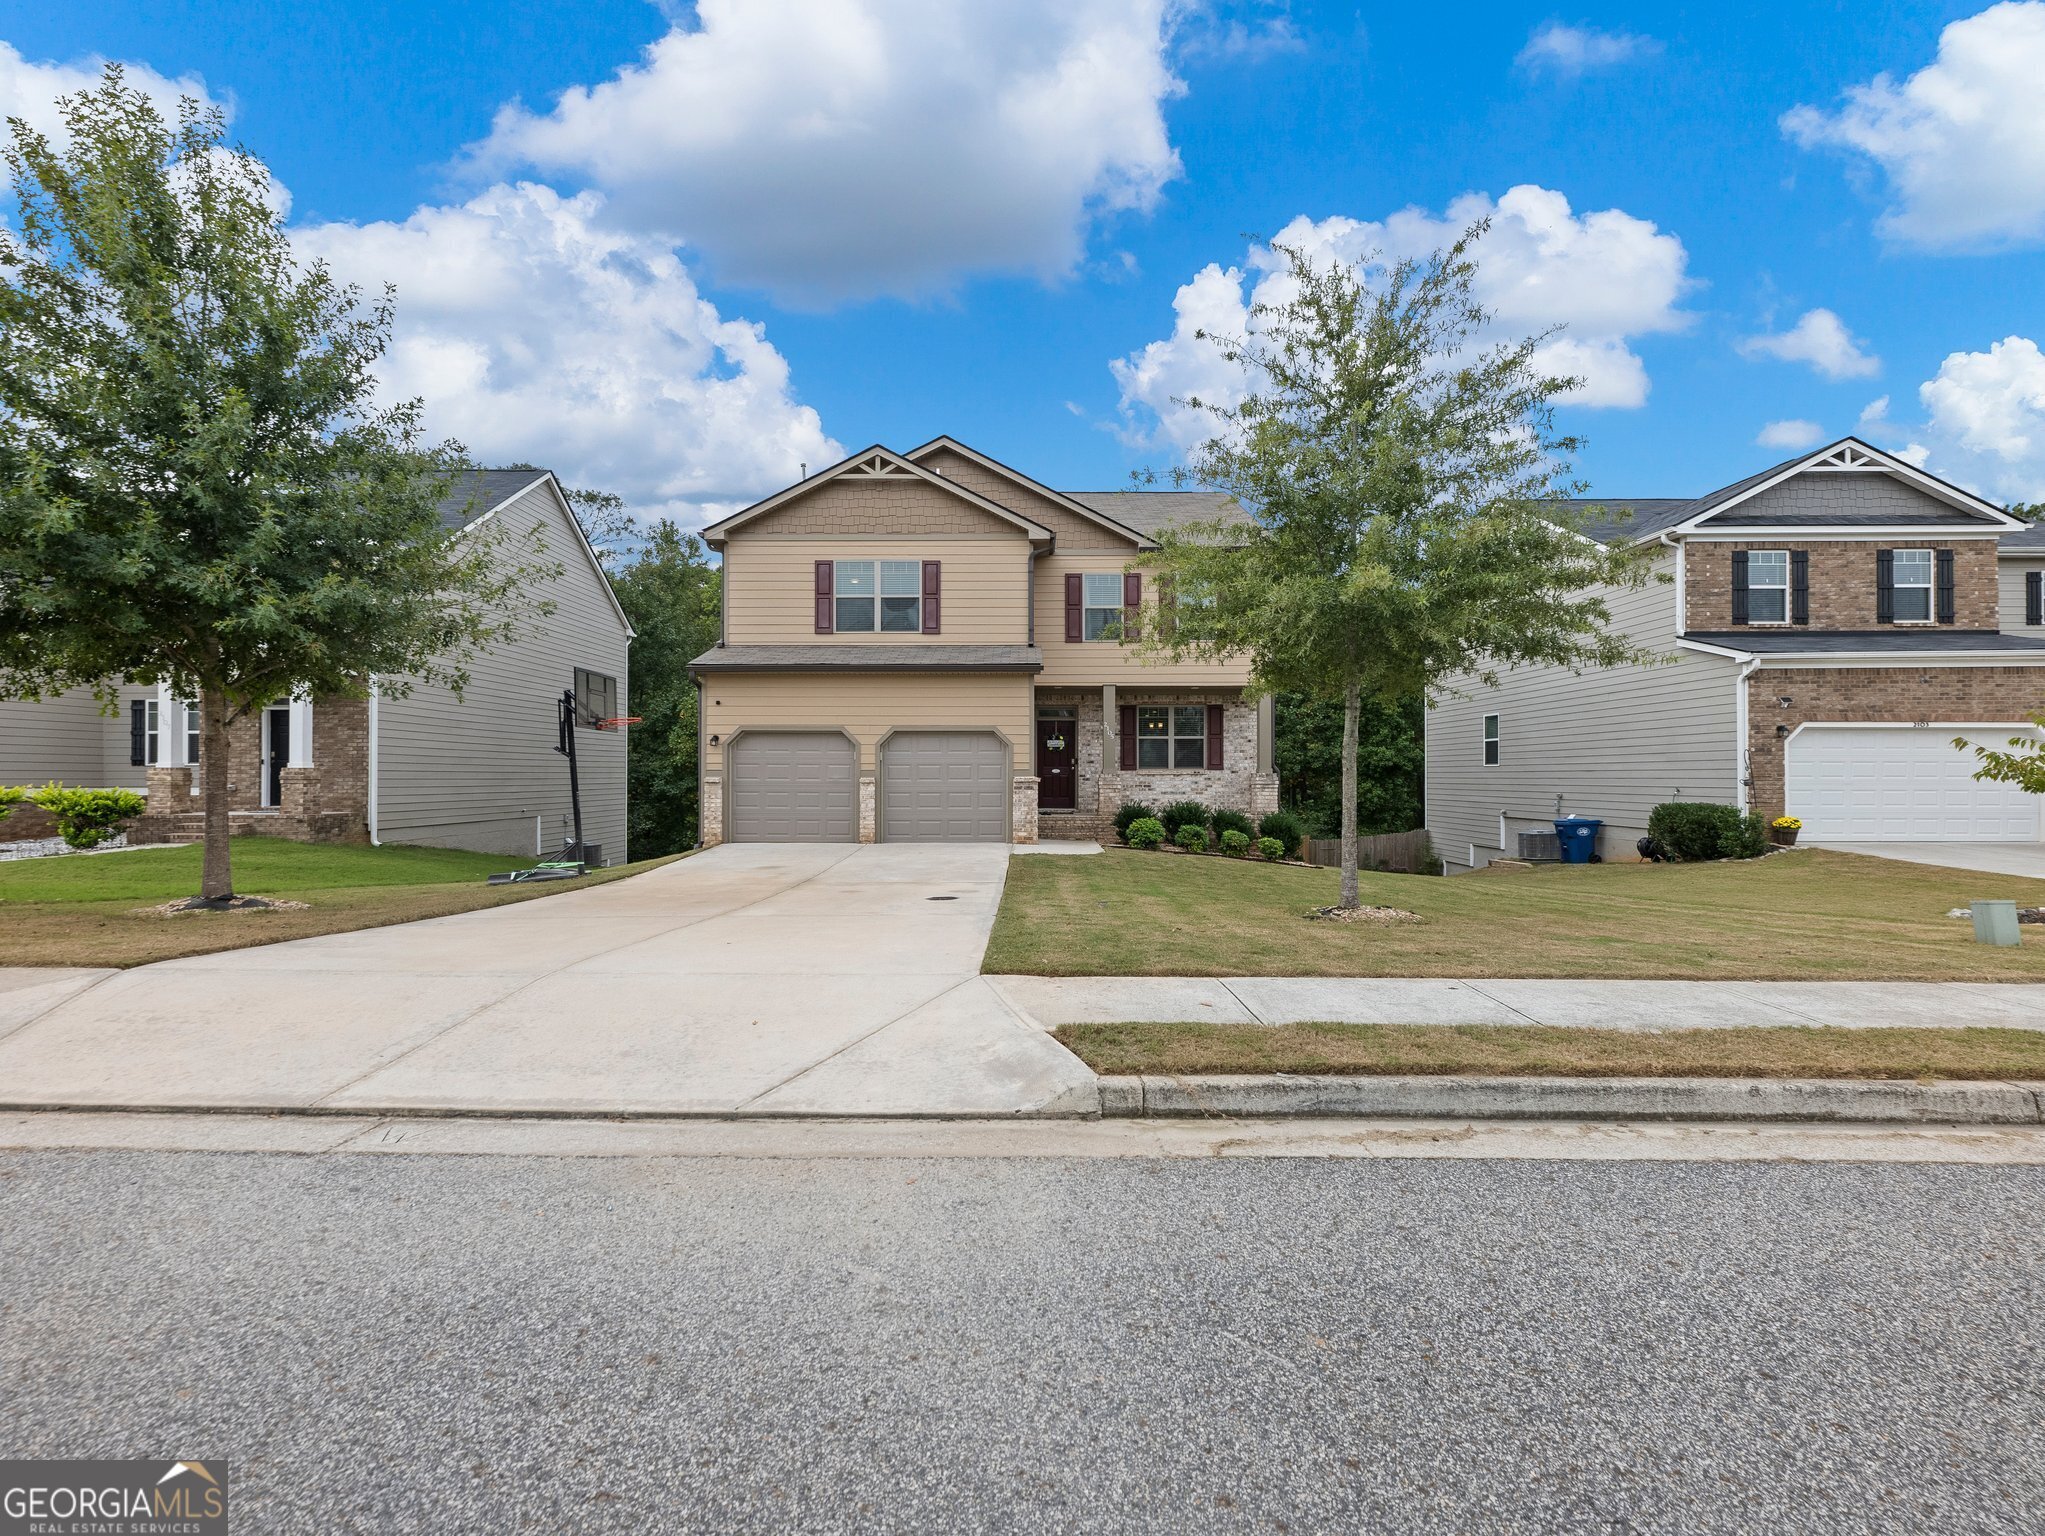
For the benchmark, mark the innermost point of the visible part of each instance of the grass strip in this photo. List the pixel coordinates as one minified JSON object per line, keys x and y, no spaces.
{"x":1504,"y":1050}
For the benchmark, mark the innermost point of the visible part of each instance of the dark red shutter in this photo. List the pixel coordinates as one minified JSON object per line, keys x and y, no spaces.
{"x":933,"y":584}
{"x":1128,"y":737}
{"x":1739,"y":586}
{"x":1947,"y":609}
{"x":1214,"y":735}
{"x":825,"y":622}
{"x":1167,"y":607}
{"x":1075,"y":621}
{"x":1132,"y":606}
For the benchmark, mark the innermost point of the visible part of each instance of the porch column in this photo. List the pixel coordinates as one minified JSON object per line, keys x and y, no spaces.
{"x":300,"y":744}
{"x":1267,"y":734}
{"x":1111,"y":732}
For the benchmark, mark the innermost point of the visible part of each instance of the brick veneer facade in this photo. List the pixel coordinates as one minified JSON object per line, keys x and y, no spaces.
{"x":326,"y":801}
{"x":1842,"y":581}
{"x":1875,"y":695}
{"x":1102,"y":785}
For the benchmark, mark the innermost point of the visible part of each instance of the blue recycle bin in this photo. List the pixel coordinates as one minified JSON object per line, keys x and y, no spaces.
{"x":1578,"y":837}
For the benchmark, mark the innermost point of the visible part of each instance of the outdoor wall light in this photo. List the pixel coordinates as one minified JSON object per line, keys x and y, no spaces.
{"x":713,"y":740}
{"x":1781,"y":731}
{"x":1785,"y":701}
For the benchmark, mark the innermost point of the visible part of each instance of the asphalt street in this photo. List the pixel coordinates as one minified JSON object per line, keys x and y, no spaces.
{"x":420,"y":1343}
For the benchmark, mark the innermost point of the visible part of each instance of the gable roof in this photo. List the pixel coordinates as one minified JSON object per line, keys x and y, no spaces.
{"x":1077,"y":505}
{"x":1657,"y":515}
{"x":476,"y":495}
{"x":874,"y":463}
{"x":2027,"y":540}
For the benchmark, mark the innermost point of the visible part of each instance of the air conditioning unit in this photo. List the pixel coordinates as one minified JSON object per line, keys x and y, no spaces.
{"x":1538,"y":846}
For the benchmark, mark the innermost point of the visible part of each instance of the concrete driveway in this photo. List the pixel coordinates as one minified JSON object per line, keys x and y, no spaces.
{"x":755,"y":979}
{"x":1989,"y":858}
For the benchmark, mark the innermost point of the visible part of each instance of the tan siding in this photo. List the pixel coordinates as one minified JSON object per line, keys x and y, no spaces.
{"x":867,"y":705}
{"x":2010,"y":591}
{"x":1068,"y":663}
{"x":474,"y":773}
{"x":853,"y":504}
{"x":1073,"y":531}
{"x":1612,"y":744}
{"x":770,"y":589}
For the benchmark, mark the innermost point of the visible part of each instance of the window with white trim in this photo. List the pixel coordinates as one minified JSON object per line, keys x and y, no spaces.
{"x":853,"y":607}
{"x":1768,"y":586}
{"x":191,"y":735}
{"x":901,"y":596}
{"x":1491,"y":741}
{"x":1102,"y":604}
{"x":1171,"y":736}
{"x":152,"y":738}
{"x":1912,"y":574}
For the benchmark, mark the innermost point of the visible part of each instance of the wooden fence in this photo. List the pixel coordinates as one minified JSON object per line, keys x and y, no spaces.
{"x":1405,"y":853}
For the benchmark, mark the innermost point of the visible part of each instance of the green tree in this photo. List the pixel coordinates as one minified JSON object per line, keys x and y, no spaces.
{"x":1390,"y":763}
{"x":1401,"y":477}
{"x":672,"y":594}
{"x":2022,"y":765}
{"x":196,"y":484}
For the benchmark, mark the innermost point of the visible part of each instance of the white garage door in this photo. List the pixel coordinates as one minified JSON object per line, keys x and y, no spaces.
{"x":1902,"y":784}
{"x":944,"y":787}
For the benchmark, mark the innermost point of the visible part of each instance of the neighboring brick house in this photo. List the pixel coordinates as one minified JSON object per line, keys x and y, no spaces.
{"x":479,"y":772}
{"x":923,"y":647}
{"x":1823,"y":630}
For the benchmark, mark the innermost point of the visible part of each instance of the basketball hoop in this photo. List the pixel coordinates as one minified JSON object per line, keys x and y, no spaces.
{"x":614,"y":722}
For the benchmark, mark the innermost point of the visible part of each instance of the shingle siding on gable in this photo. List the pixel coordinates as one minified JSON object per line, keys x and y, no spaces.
{"x":1835,"y":498}
{"x":850,"y":505}
{"x":1072,"y":530}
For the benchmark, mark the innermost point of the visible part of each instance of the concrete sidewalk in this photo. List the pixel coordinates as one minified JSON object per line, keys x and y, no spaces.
{"x":1641,"y":1005}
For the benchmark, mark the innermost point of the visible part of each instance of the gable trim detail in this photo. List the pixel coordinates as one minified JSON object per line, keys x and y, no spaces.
{"x":1076,"y":508}
{"x":874,"y":463}
{"x":1851,"y":455}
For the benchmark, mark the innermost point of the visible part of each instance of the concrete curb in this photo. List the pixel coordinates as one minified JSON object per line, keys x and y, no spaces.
{"x":1577,"y":1098}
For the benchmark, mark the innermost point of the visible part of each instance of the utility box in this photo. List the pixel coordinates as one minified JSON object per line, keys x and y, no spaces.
{"x":1578,"y":838}
{"x":1995,"y":922}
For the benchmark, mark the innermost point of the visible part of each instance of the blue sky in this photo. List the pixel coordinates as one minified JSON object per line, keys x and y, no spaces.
{"x":805,"y":225}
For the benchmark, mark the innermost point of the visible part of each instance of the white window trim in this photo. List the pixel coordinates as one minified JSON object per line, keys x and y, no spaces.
{"x":1754,"y":586}
{"x":1171,"y":738}
{"x":880,"y":596}
{"x":1488,"y":751}
{"x":1087,"y":606}
{"x":152,"y":732}
{"x":1929,"y":586}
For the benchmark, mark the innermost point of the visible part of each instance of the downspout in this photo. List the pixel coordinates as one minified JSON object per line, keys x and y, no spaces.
{"x":374,"y":840}
{"x":699,"y":759}
{"x":1741,"y":761}
{"x":1682,"y":573}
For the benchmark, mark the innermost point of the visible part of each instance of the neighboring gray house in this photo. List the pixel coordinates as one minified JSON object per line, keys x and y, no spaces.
{"x":480,"y":772}
{"x":1824,"y":630}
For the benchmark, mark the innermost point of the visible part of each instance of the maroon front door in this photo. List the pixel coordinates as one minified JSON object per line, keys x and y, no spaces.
{"x":1056,"y":753}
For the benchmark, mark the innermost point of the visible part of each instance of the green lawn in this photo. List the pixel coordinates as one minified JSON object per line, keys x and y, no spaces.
{"x":1808,"y":914}
{"x":1493,"y":1050}
{"x":94,"y":910}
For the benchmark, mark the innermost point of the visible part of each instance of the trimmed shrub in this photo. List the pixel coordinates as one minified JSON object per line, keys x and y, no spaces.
{"x":1132,"y":811}
{"x":1694,"y":829}
{"x":10,"y":797}
{"x":87,"y":817}
{"x":1192,"y":838}
{"x":1287,"y":828}
{"x":1272,"y":849}
{"x":1235,"y":844}
{"x":1181,"y":814}
{"x":1145,"y":832}
{"x":1226,"y":822}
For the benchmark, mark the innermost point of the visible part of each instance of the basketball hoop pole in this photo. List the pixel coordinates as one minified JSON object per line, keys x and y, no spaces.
{"x":567,"y":750}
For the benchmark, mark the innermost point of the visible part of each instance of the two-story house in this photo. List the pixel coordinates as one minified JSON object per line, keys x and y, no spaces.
{"x":1823,"y":631}
{"x":932,"y":646}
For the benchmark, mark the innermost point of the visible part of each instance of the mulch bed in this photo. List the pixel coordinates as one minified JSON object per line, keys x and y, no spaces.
{"x":194,"y":905}
{"x":1363,"y":915}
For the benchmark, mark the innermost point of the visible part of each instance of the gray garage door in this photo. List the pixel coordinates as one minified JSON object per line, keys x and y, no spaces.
{"x":792,"y":787}
{"x":944,"y":787}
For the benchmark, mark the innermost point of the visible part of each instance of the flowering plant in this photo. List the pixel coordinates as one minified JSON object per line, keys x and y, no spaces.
{"x":1787,"y":823}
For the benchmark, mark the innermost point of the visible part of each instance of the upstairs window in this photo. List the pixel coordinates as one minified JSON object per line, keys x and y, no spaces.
{"x":596,"y":696}
{"x":1912,"y":576}
{"x":901,"y":596}
{"x":853,"y":582}
{"x":1768,"y":586}
{"x":1102,"y":618}
{"x":1171,"y":736}
{"x":1491,"y":741}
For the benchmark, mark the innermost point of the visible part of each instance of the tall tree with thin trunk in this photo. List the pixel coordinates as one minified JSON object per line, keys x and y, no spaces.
{"x":1402,"y":475}
{"x":196,"y":485}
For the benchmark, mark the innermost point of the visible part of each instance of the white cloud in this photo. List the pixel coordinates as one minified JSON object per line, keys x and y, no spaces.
{"x":1986,"y":418}
{"x":1821,"y":339}
{"x":835,"y":149}
{"x":1203,"y":36}
{"x":1790,"y":435}
{"x":1564,"y":50}
{"x":29,"y":90}
{"x":536,"y":333}
{"x":1961,"y":142}
{"x":1606,"y":276}
{"x":1876,"y":412}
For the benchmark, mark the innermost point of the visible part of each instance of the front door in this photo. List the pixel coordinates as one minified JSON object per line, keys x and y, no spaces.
{"x":1057,"y":789}
{"x":276,"y":753}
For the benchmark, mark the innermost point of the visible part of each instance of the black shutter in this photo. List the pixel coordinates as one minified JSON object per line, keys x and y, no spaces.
{"x":138,"y":733}
{"x":2034,"y":597}
{"x":1946,"y":608}
{"x":1799,"y":586}
{"x":1885,"y":586}
{"x":1739,"y":586}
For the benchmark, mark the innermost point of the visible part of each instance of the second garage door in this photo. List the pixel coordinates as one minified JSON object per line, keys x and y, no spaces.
{"x":1907,"y":784}
{"x":792,"y":787}
{"x":944,"y":787}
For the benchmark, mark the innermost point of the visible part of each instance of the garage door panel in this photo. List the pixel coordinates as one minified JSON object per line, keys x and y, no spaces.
{"x":792,"y":787}
{"x":1874,"y":784}
{"x":944,"y":787}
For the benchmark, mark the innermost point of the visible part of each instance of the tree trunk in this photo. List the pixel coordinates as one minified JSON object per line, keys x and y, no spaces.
{"x":216,"y":882}
{"x":1352,"y":710}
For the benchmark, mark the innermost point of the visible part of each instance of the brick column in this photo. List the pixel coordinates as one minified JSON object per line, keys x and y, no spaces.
{"x":1022,"y":813}
{"x":710,"y":815}
{"x":867,"y":832}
